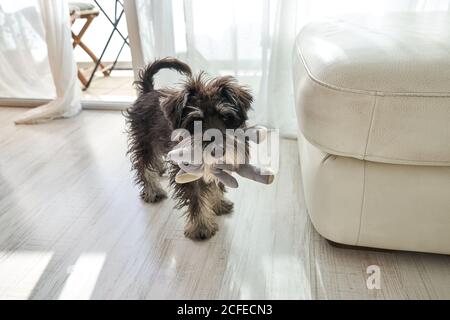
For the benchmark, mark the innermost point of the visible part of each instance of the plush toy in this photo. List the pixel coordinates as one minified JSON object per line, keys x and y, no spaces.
{"x":223,"y":172}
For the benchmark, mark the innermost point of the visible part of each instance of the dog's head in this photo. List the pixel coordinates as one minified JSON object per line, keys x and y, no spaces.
{"x":219,"y":103}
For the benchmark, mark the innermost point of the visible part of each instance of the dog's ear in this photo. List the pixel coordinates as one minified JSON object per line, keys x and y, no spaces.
{"x":236,"y":94}
{"x":172,"y":106}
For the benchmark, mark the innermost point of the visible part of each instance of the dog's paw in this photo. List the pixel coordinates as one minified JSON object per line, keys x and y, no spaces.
{"x":201,"y":232}
{"x":225,"y":207}
{"x":154,"y":196}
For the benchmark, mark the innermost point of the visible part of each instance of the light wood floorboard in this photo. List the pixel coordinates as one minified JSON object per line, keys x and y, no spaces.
{"x":72,"y":226}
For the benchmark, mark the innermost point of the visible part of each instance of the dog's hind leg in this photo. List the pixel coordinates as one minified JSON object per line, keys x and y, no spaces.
{"x":152,"y":191}
{"x":148,"y":179}
{"x":147,"y":165}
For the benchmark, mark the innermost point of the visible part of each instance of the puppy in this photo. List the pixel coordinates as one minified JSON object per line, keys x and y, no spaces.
{"x":219,"y":103}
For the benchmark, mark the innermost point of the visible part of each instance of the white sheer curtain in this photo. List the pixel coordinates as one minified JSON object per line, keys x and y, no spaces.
{"x":36,"y":58}
{"x":250,"y":39}
{"x":24,"y":68}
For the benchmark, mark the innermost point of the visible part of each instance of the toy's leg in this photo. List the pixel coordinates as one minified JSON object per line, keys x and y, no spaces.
{"x":254,"y":173}
{"x":225,"y":178}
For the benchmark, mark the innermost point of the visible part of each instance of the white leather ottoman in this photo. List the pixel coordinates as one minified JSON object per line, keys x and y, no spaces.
{"x":373,"y":106}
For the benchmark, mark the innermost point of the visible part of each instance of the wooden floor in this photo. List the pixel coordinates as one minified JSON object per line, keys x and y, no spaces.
{"x":72,"y":226}
{"x":116,"y":87}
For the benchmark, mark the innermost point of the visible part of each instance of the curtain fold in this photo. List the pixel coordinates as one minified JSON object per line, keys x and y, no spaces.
{"x":276,"y":99}
{"x":55,"y":16}
{"x":24,"y":68}
{"x":53,"y":57}
{"x":251,"y":40}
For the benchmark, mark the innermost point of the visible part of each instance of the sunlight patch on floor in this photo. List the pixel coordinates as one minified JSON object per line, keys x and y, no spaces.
{"x":83,"y":277}
{"x":20,"y":272}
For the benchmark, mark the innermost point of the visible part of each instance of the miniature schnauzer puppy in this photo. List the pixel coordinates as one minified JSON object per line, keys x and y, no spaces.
{"x":219,"y":103}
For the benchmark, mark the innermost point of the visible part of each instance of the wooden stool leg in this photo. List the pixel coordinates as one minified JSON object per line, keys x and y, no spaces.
{"x":82,"y":78}
{"x":93,"y":56}
{"x":78,"y":42}
{"x":89,"y":20}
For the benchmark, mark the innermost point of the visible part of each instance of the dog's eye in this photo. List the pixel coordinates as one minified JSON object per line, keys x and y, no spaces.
{"x":230,"y":120}
{"x":230,"y":115}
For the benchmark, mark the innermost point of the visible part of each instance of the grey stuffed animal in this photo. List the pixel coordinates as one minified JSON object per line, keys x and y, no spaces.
{"x":223,"y":172}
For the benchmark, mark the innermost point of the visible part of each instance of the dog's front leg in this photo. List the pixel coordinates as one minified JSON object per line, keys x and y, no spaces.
{"x":221,"y":204}
{"x":201,"y":222}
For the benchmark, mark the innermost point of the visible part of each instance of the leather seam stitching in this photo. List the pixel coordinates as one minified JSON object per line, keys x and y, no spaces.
{"x":369,"y":131}
{"x":374,"y":158}
{"x":363,"y":200}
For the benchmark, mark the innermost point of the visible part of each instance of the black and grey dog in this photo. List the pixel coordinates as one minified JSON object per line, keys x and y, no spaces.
{"x":219,"y":103}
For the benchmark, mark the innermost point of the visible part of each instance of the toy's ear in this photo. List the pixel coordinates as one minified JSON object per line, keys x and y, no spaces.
{"x":173,"y":106}
{"x":186,"y":177}
{"x":226,"y":178}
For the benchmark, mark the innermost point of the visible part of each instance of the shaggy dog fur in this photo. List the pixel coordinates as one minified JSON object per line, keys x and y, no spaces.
{"x":218,"y":103}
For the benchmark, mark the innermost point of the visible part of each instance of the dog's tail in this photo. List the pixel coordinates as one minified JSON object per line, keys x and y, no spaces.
{"x":145,"y":82}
